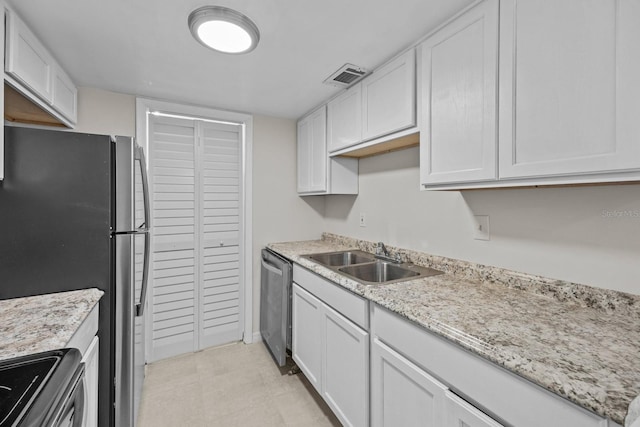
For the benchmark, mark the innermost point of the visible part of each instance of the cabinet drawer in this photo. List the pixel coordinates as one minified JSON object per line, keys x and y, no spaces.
{"x":498,"y":392}
{"x":353,"y":307}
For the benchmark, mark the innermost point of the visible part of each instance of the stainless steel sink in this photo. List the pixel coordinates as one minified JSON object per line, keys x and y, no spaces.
{"x":339,"y":259}
{"x":363,"y":267}
{"x":378,"y":272}
{"x":383,"y":272}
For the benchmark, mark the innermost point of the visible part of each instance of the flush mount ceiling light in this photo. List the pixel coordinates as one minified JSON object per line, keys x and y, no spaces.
{"x":223,"y":29}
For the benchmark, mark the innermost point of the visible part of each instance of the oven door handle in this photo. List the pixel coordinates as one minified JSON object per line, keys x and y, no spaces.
{"x":73,"y":400}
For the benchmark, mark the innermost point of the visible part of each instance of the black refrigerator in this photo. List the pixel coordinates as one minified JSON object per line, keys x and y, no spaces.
{"x":74,"y":215}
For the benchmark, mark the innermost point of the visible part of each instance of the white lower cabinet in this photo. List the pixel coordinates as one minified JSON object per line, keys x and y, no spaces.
{"x":402,"y":394}
{"x":406,"y":359}
{"x":85,"y":339}
{"x":330,"y":348}
{"x":345,"y":370}
{"x":90,"y":360}
{"x":460,"y":413}
{"x":306,"y":332}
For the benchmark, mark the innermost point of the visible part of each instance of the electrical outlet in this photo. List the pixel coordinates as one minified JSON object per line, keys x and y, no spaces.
{"x":481,"y":230}
{"x":363,"y":220}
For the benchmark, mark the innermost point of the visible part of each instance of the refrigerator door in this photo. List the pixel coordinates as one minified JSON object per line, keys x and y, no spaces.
{"x":132,"y":260}
{"x":124,"y":314}
{"x":141,"y":272}
{"x":140,"y":249}
{"x":55,"y":213}
{"x":124,"y":177}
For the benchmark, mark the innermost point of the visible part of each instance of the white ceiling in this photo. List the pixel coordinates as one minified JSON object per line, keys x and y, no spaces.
{"x":144,"y":47}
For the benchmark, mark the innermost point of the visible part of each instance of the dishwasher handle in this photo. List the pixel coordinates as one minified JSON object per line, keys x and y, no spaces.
{"x":271,"y":268}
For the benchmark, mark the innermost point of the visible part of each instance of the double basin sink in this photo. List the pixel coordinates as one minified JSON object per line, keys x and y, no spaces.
{"x":363,"y":267}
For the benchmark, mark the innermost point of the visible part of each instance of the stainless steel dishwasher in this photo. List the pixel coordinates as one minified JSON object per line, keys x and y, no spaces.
{"x":275,"y":304}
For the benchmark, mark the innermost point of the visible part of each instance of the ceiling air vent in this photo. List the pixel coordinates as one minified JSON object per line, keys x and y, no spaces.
{"x":346,"y":75}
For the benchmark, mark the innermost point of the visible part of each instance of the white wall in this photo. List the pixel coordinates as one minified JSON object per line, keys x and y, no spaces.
{"x":562,"y":233}
{"x":107,"y":113}
{"x":278,"y":213}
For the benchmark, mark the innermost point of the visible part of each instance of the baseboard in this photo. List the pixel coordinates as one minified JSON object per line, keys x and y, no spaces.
{"x":253,"y":338}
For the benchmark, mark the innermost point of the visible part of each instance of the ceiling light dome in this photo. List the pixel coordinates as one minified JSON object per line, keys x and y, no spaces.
{"x":223,"y":29}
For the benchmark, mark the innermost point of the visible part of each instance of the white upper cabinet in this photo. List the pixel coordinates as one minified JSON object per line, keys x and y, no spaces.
{"x":312,"y":152}
{"x":318,"y":174}
{"x":389,"y":97}
{"x":378,"y":110}
{"x":569,"y":88}
{"x":459,"y":72}
{"x":27,"y":60}
{"x":65,"y":95}
{"x":33,"y":71}
{"x":344,"y":121}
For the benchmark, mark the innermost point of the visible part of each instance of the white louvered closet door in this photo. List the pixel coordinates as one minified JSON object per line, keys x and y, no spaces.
{"x":195,"y":184}
{"x":220,"y":232}
{"x":173,"y":206}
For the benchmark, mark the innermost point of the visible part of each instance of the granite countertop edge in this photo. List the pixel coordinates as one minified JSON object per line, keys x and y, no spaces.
{"x":516,"y":362}
{"x":45,"y":322}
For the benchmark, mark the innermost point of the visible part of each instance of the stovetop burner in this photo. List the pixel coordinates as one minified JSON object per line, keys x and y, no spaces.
{"x":22,"y":379}
{"x":19,"y":382}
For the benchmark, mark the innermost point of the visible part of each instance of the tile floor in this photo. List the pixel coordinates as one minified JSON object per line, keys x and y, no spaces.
{"x":232,"y":385}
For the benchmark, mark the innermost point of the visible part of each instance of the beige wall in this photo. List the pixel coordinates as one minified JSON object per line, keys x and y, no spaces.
{"x":560,"y":233}
{"x":107,"y":113}
{"x":278,"y":213}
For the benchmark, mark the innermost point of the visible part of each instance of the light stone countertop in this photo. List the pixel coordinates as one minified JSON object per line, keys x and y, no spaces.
{"x":43,"y":322}
{"x":579,"y":342}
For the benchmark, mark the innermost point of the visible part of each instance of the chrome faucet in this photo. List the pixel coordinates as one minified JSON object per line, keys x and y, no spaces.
{"x":383,"y":253}
{"x":381,"y":249}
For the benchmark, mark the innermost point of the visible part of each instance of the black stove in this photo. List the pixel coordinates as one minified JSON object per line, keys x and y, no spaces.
{"x":33,"y":386}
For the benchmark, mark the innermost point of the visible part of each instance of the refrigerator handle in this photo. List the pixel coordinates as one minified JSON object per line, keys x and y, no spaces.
{"x":145,"y":277}
{"x":139,"y":156}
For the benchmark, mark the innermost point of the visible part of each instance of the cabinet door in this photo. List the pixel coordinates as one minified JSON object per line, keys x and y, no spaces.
{"x":389,"y":98}
{"x":402,"y":394}
{"x":312,"y":152}
{"x":569,"y":88}
{"x":306,"y":324}
{"x":459,"y":71}
{"x":318,"y":161}
{"x":304,"y":155}
{"x":344,"y":119}
{"x":26,"y":59}
{"x":345,"y":373}
{"x":461,"y":413}
{"x":90,"y":360}
{"x":65,"y":95}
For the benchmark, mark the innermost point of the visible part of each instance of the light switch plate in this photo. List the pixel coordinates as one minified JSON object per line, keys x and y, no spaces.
{"x":481,"y":227}
{"x":363,"y":220}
